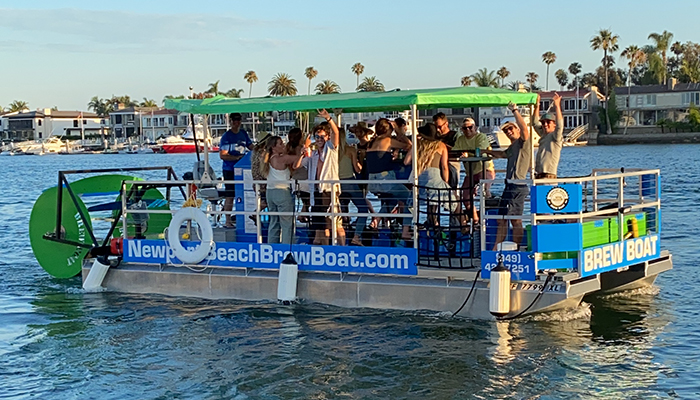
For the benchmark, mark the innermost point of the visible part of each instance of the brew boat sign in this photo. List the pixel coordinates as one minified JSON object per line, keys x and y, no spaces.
{"x":610,"y":257}
{"x":393,"y":261}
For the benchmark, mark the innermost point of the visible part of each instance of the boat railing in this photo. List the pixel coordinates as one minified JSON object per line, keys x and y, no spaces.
{"x":258,"y":212}
{"x":607,"y":206}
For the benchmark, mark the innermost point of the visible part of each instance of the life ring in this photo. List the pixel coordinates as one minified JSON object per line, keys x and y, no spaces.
{"x":202,"y":251}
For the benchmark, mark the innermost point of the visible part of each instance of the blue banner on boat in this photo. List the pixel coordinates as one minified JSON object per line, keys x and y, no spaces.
{"x":370,"y":260}
{"x":610,"y":257}
{"x":520,"y":263}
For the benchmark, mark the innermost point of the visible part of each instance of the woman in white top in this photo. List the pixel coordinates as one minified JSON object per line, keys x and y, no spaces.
{"x":279,"y":192}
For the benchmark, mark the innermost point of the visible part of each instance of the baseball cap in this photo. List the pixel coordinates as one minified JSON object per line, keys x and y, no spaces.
{"x":548,"y":117}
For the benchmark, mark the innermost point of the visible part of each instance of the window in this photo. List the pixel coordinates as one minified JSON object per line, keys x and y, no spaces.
{"x":496,"y":121}
{"x":170,"y":120}
{"x":84,"y":122}
{"x":39,"y":121}
{"x":457,"y":111}
{"x":544,"y":105}
{"x":148,"y":122}
{"x":651,"y":100}
{"x":75,"y":123}
{"x":130,"y":117}
{"x":582,"y":104}
{"x":689,"y":98}
{"x":118,"y":119}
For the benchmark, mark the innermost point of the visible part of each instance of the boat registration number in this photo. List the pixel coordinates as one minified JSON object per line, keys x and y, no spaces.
{"x":536,"y":287}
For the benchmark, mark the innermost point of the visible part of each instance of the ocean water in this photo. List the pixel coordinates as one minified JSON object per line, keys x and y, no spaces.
{"x":57,"y":342}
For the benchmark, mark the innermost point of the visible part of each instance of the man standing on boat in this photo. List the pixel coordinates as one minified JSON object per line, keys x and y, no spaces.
{"x":449,"y":137}
{"x":234,"y":144}
{"x":323,"y":166}
{"x":551,"y":131}
{"x":518,"y":154}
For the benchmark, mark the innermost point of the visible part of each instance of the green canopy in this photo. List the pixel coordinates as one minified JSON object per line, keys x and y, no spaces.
{"x":397,"y":100}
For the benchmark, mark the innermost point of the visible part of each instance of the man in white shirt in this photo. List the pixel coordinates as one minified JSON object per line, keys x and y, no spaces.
{"x":323,"y":165}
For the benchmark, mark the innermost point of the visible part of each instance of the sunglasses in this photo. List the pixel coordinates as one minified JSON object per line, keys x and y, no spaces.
{"x":547,"y":121}
{"x":317,"y":137}
{"x":508,"y":128}
{"x":466,"y":128}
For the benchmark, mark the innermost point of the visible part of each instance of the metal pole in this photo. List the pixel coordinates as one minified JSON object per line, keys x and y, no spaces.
{"x":194,"y":135}
{"x":334,"y":230}
{"x":414,"y":165}
{"x":258,"y":225}
{"x":620,"y":206}
{"x":577,"y":107}
{"x":532,"y":143}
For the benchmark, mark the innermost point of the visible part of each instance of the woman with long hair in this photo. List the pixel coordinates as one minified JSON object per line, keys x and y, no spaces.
{"x":381,"y":168}
{"x":277,"y":167}
{"x":256,"y":161}
{"x":433,"y":172}
{"x":297,"y":141}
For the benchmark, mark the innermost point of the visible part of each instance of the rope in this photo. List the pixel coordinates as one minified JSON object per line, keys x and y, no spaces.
{"x":476,"y":277}
{"x":546,"y":281}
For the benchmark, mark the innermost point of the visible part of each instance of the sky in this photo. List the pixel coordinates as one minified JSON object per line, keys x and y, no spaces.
{"x":62,"y":53}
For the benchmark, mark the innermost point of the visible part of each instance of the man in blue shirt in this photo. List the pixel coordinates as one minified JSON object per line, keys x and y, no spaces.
{"x":234,"y":144}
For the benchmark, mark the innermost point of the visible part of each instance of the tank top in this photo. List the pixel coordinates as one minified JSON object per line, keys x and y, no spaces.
{"x":345,"y":170}
{"x":278,"y":178}
{"x":379,"y":161}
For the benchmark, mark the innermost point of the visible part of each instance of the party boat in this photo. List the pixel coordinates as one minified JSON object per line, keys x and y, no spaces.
{"x":587,"y":235}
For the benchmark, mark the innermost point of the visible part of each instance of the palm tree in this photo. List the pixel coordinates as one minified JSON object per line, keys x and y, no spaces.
{"x":327,"y":87}
{"x":531,"y":78}
{"x":503,"y":73}
{"x":101,"y":107}
{"x":250,"y":77}
{"x":125,"y":100}
{"x":548,"y":58}
{"x":485,"y":78}
{"x":466,"y":81}
{"x":662,"y":41}
{"x":635,"y":56}
{"x":575,"y":69}
{"x":18,"y":105}
{"x":370,"y":84}
{"x":357,"y":69}
{"x":514,"y":85}
{"x":233,"y":93}
{"x":606,"y":41}
{"x":214,"y":88}
{"x":562,"y":78}
{"x":148,"y":103}
{"x":282,"y":84}
{"x":310,"y":73}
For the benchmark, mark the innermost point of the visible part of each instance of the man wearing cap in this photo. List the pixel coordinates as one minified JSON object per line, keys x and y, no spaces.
{"x":551,"y":131}
{"x":470,"y":140}
{"x":513,"y":198}
{"x":234,"y":144}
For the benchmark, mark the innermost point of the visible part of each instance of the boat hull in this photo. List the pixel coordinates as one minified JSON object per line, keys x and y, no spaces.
{"x":433,"y":289}
{"x":183,"y":148}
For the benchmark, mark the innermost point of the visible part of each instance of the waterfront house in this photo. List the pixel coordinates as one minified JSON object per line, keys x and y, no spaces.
{"x":45,"y":123}
{"x":127,"y":121}
{"x":645,"y":105}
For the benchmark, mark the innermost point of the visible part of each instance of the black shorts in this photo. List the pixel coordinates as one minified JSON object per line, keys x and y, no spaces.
{"x":513,"y":200}
{"x":229,"y":188}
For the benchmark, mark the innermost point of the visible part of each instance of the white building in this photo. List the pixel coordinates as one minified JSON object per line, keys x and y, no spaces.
{"x":45,"y":123}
